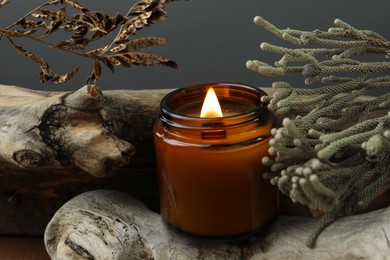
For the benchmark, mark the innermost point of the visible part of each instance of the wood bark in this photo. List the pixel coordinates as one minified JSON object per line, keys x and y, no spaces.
{"x":83,"y":129}
{"x":50,"y":140}
{"x":112,"y":225}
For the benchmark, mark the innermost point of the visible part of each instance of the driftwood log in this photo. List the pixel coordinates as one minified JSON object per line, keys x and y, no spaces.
{"x":50,"y":141}
{"x":112,"y":225}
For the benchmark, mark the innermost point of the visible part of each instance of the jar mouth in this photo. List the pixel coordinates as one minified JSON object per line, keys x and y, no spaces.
{"x":241,"y":102}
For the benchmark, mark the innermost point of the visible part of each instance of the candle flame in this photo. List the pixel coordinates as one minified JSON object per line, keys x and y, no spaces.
{"x":211,"y":107}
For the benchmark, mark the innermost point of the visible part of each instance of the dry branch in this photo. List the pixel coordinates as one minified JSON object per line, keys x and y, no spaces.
{"x":85,"y":27}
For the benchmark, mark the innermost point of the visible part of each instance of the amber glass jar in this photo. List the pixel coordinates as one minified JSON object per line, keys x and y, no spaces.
{"x":210,"y":170}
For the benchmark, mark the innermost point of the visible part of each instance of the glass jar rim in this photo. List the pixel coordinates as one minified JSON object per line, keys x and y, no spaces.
{"x":170,"y":116}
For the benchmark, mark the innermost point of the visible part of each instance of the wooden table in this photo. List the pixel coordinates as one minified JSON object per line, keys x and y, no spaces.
{"x":26,"y":248}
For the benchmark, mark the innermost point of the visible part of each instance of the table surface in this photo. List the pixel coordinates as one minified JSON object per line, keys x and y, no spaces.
{"x":26,"y":248}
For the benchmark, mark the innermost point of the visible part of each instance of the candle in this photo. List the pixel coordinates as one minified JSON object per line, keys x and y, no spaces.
{"x":209,"y":161}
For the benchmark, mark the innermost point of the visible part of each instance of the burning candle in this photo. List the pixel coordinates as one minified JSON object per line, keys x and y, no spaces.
{"x":208,"y":151}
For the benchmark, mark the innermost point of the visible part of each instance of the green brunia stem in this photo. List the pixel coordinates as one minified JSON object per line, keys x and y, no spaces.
{"x":334,"y":154}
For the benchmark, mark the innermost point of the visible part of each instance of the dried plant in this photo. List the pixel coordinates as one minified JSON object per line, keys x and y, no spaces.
{"x":86,"y":27}
{"x":334,"y":154}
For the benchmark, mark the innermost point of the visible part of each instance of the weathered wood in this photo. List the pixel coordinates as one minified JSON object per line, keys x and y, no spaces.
{"x":95,"y":134}
{"x":112,"y":225}
{"x":28,"y":199}
{"x":81,"y":129}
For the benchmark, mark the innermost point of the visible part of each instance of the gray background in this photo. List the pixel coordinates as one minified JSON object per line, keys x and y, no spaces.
{"x":211,"y":40}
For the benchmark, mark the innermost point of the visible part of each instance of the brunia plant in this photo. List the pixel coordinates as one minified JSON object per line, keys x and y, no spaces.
{"x":332,"y":151}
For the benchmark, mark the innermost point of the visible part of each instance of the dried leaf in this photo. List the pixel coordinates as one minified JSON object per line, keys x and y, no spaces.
{"x":31,"y":24}
{"x":76,"y":5}
{"x":95,"y":21}
{"x":76,"y":45}
{"x":80,"y":33}
{"x":145,"y":6}
{"x":41,"y":62}
{"x":3,"y":3}
{"x":159,"y":15}
{"x":108,"y":63}
{"x":40,"y":16}
{"x":97,"y":35}
{"x":96,"y":73}
{"x":72,"y":27}
{"x":132,"y":26}
{"x":54,"y":2}
{"x":53,"y":26}
{"x":16,"y":33}
{"x":138,"y":44}
{"x":97,"y":51}
{"x":76,"y":41}
{"x":157,"y":8}
{"x":45,"y":73}
{"x":146,"y":13}
{"x":145,"y":59}
{"x":123,"y":59}
{"x":59,"y":15}
{"x":63,"y":78}
{"x":113,"y":60}
{"x":110,"y":25}
{"x":151,"y":59}
{"x":115,"y":21}
{"x":25,"y":33}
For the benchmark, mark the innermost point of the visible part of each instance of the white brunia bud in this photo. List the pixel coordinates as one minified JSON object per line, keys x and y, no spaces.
{"x":316,"y":164}
{"x":299,"y":170}
{"x":266,"y":161}
{"x":307,"y":171}
{"x":287,"y":122}
{"x":297,"y":142}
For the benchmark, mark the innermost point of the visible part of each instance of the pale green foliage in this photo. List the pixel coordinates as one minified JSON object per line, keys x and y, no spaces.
{"x":333,"y":154}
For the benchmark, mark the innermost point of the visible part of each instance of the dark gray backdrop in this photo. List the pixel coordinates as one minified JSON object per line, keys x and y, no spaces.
{"x":211,"y":40}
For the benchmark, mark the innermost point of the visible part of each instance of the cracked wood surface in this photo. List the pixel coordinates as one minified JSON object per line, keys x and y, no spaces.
{"x":49,"y":140}
{"x":106,"y":224}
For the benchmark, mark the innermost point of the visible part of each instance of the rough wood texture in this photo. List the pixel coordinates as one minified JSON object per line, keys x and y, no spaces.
{"x":112,"y":225}
{"x":49,"y":139}
{"x":36,"y":179}
{"x":67,"y":129}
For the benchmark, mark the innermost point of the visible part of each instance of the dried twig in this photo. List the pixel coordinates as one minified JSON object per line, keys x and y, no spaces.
{"x":88,"y":26}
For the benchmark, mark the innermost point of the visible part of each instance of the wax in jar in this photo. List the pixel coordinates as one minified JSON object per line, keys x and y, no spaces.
{"x":210,"y":176}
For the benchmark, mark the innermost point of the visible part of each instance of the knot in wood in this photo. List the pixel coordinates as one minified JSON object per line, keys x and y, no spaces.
{"x":50,"y":130}
{"x":28,"y":158}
